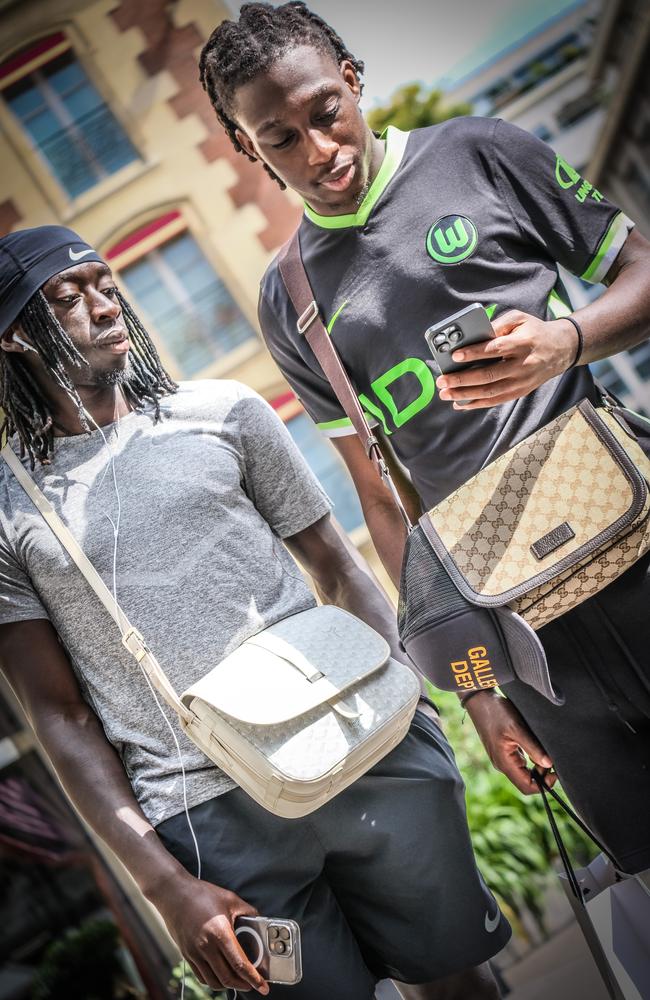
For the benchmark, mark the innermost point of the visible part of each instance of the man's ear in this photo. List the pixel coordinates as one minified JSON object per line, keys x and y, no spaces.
{"x":350,"y":78}
{"x":7,"y":342}
{"x":246,"y":144}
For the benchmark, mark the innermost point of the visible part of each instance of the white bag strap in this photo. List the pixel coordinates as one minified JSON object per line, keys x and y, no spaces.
{"x":280,"y":647}
{"x":131,"y":638}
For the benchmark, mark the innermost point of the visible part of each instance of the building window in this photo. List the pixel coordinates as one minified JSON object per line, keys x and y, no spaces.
{"x":189,"y":306}
{"x":65,"y":117}
{"x":640,"y":357}
{"x":329,"y":469}
{"x":542,"y":132}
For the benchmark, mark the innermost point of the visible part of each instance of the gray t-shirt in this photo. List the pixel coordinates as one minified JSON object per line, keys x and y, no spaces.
{"x":206,"y":494}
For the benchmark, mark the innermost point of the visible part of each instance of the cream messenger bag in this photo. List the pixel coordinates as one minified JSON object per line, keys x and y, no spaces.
{"x":296,"y":713}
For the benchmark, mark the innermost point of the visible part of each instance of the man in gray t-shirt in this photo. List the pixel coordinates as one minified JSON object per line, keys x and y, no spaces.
{"x":212,"y":438}
{"x":190,"y":501}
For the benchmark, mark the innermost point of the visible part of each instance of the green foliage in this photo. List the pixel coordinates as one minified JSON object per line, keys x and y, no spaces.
{"x":413,"y":106}
{"x":512,"y":839}
{"x":81,"y":965}
{"x":194,"y":990}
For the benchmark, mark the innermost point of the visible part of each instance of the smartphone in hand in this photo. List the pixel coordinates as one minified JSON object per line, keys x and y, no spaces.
{"x":272,"y":945}
{"x":469,"y":326}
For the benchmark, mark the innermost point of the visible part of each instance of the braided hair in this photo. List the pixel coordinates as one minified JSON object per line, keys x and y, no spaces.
{"x":237,"y":51}
{"x":27,"y":412}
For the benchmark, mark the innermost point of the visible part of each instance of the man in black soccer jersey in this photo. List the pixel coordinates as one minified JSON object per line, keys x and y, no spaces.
{"x":398,"y":233}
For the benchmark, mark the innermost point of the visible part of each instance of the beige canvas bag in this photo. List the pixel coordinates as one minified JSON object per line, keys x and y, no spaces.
{"x":552,"y":521}
{"x":294,"y":715}
{"x":533,"y":534}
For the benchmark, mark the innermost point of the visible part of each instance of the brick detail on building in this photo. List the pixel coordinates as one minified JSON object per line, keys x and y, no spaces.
{"x":173,"y":49}
{"x":9,"y":216}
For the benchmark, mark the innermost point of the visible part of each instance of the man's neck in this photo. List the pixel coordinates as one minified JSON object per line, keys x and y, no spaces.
{"x":105,"y":404}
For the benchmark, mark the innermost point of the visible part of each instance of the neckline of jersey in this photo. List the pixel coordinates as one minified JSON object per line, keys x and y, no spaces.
{"x":395,"y":145}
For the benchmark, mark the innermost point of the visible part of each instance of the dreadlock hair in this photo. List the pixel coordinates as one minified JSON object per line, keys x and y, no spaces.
{"x":238,"y":50}
{"x":27,"y":411}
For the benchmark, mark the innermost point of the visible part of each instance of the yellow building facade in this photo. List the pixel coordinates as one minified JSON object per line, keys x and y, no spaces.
{"x":104,"y":127}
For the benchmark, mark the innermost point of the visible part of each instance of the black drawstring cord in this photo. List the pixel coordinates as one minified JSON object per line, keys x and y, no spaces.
{"x":572,"y":878}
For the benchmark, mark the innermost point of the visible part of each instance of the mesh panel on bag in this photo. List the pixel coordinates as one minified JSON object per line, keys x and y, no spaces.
{"x":426,"y":595}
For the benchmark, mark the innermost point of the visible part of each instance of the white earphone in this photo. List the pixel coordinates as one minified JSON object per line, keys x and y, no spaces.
{"x":23,"y":343}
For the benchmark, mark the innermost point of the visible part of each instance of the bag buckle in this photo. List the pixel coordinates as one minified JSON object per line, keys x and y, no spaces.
{"x":134,"y":642}
{"x":307,"y":318}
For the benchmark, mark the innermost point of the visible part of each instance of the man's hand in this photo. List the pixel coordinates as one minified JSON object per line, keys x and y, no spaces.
{"x":506,"y":737}
{"x":532,"y":351}
{"x":200,"y":918}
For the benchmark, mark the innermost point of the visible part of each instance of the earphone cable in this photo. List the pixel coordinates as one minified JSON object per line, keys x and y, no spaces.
{"x":120,"y":620}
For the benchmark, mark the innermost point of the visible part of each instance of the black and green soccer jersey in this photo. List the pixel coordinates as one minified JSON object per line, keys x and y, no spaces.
{"x":472,"y":210}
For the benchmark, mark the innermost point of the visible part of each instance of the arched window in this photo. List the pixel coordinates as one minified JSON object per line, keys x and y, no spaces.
{"x":172,"y":283}
{"x":49,"y":93}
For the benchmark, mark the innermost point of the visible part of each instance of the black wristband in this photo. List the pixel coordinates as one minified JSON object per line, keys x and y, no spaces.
{"x":581,"y":342}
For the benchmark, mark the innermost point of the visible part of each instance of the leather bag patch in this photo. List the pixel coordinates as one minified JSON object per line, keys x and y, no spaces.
{"x":552,"y":540}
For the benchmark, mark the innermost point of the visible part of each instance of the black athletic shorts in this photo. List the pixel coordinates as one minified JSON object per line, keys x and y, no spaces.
{"x":599,"y":657}
{"x":381,"y":879}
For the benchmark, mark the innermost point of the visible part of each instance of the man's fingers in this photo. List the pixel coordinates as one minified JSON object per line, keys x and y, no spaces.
{"x":240,"y":965}
{"x":511,"y":759}
{"x":508,"y":321}
{"x":533,"y":748}
{"x":512,"y":764}
{"x":453,"y":386}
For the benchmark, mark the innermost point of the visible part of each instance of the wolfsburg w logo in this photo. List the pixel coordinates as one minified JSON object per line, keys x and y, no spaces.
{"x":452,"y":239}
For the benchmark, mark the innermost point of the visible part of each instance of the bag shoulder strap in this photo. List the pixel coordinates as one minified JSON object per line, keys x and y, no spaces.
{"x":131,"y":638}
{"x":311,"y":327}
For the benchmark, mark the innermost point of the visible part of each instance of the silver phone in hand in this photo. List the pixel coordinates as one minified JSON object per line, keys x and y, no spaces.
{"x":272,"y":945}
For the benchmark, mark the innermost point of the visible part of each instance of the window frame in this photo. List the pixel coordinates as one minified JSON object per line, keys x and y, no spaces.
{"x":27,"y":151}
{"x":180,"y":221}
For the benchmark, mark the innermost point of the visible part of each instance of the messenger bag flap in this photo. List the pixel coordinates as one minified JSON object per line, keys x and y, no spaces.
{"x":303,"y":661}
{"x":534,"y":512}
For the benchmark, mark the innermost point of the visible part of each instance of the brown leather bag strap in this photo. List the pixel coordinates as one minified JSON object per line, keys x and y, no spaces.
{"x":311,"y":327}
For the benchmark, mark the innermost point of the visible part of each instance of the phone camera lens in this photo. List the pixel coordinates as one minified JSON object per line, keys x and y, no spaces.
{"x":284,"y":933}
{"x":455,"y":336}
{"x":439,"y":339}
{"x":443,"y":348}
{"x":279,"y":947}
{"x":273,"y":933}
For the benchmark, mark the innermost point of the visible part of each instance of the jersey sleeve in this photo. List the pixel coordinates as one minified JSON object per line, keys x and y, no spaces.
{"x":276,"y":477}
{"x":18,"y":600}
{"x":556,"y":208}
{"x":301,"y":369}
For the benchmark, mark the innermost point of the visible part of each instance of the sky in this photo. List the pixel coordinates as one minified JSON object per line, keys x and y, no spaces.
{"x":428,"y":40}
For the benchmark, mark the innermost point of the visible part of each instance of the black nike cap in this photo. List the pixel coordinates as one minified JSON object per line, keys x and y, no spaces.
{"x":29,"y":258}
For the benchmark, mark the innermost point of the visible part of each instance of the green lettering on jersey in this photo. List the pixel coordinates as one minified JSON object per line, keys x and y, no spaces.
{"x":380,"y":387}
{"x":567,"y":177}
{"x":374,"y":409}
{"x":565,"y":174}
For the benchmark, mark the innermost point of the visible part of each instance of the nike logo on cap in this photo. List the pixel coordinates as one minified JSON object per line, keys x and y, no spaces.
{"x":78,"y":256}
{"x":491,"y":923}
